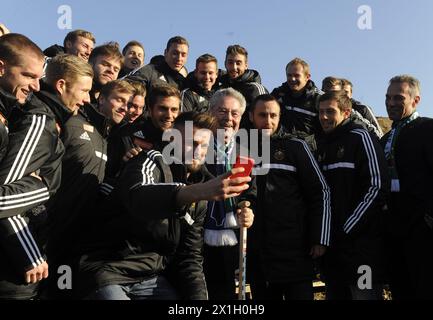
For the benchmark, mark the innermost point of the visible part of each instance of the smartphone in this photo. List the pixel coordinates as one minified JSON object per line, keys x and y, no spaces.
{"x":245,"y":162}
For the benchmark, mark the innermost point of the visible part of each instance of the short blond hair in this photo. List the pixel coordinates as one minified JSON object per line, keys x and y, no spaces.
{"x":122,"y":86}
{"x":301,"y":62}
{"x":68,"y":67}
{"x":73,"y":36}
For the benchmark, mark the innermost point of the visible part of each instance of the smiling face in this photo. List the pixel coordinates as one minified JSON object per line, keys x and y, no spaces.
{"x":82,"y":47}
{"x":115,"y":106}
{"x":236,"y":65}
{"x":206,"y":74}
{"x":399,"y":103}
{"x":164,"y":111}
{"x":22,"y":79}
{"x":135,"y":108}
{"x":106,"y":69}
{"x":134,"y":57}
{"x":228,"y":115}
{"x":296,"y":77}
{"x":331,"y":116}
{"x":75,"y":94}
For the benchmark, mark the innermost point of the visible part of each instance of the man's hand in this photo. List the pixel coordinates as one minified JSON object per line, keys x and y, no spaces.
{"x":131,"y":153}
{"x":245,"y":214}
{"x":37,"y":274}
{"x":317,"y":251}
{"x":219,"y":188}
{"x":222,"y":187}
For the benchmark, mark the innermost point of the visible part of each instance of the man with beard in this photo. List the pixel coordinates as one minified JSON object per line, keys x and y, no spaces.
{"x":148,"y":246}
{"x":293,"y":214}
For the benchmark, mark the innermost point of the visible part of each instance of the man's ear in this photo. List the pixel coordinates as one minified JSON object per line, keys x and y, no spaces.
{"x":308,"y":76}
{"x":347,"y":113}
{"x":60,"y":86}
{"x":250,"y":115}
{"x":68,"y":44}
{"x":416,"y":101}
{"x":101,"y":100}
{"x":2,"y":68}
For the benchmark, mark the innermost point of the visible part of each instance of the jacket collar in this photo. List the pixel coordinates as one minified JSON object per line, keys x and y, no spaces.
{"x":7,"y":103}
{"x":52,"y":100}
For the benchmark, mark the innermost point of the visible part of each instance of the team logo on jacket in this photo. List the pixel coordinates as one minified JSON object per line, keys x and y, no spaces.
{"x":279,"y":155}
{"x":85,"y":136}
{"x":340,"y":152}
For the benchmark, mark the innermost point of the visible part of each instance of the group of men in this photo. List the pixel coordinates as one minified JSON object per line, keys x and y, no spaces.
{"x":123,"y":173}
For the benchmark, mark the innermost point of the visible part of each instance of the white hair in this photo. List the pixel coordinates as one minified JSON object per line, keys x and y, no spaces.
{"x":228,"y":92}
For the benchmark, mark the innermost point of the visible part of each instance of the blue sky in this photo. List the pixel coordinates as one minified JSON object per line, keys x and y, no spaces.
{"x":324,"y":33}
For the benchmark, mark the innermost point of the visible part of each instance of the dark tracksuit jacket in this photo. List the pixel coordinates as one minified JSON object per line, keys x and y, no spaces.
{"x":122,"y":138}
{"x":355,"y":168}
{"x":34,"y":146}
{"x":250,"y":85}
{"x":83,"y":168}
{"x":299,"y":115}
{"x":293,"y":211}
{"x":141,"y":233}
{"x":154,"y":74}
{"x":195,"y":98}
{"x":365,"y":117}
{"x":409,"y":239}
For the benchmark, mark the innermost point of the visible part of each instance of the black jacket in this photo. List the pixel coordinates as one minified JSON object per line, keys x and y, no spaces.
{"x":83,"y":168}
{"x":195,"y":97}
{"x":414,"y":164}
{"x":154,"y":74}
{"x":122,"y":138}
{"x":54,"y":50}
{"x":34,"y":146}
{"x":142,"y":233}
{"x":355,"y":168}
{"x":299,"y":115}
{"x":7,"y":103}
{"x":293,"y":210}
{"x":364,"y":116}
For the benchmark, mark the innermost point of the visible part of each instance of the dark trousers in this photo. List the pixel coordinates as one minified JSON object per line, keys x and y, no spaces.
{"x":220,"y":264}
{"x":411,"y":264}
